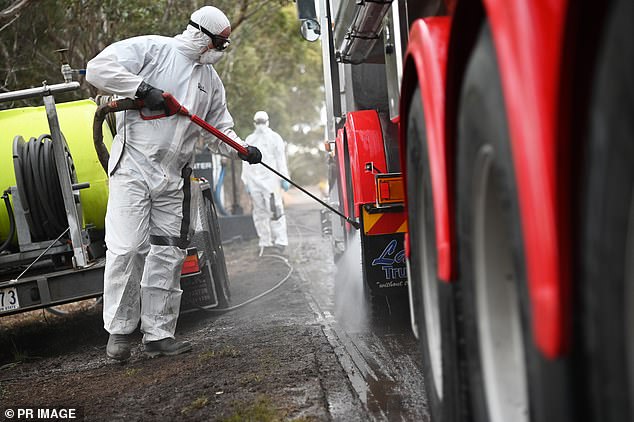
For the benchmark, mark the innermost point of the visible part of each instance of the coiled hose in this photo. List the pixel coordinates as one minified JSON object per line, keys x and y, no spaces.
{"x":39,"y":187}
{"x":7,"y":203}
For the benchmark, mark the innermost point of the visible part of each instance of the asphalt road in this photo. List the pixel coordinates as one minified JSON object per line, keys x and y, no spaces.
{"x":380,"y":357}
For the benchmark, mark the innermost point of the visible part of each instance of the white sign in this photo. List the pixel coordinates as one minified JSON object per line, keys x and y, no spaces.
{"x":9,"y":299}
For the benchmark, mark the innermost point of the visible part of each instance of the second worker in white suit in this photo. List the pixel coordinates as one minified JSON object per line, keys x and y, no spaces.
{"x":264,"y":186}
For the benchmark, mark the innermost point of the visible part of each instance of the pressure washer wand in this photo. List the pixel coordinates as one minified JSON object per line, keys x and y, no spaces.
{"x":242,"y":150}
{"x":348,"y":219}
{"x":172,"y":107}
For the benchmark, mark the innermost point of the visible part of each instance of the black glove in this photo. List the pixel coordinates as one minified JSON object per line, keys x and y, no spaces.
{"x":152,"y":97}
{"x":253,"y":155}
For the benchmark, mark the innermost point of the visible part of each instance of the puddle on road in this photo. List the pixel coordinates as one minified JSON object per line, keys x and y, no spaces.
{"x":385,"y":398}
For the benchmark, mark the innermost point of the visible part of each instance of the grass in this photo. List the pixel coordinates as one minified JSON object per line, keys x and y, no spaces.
{"x":226,"y":351}
{"x":229,"y":351}
{"x":198,"y":403}
{"x":251,"y":378}
{"x":130,"y":372}
{"x":261,"y":411}
{"x":210,"y":354}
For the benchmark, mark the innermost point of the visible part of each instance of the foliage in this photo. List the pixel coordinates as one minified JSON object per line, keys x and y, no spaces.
{"x":268,"y":66}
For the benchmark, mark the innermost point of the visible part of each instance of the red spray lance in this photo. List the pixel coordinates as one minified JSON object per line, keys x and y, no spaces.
{"x":172,"y":107}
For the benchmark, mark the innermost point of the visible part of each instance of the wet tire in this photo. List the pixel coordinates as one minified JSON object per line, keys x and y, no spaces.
{"x":606,"y":253}
{"x":213,"y":246}
{"x":433,"y":302}
{"x":509,"y":380}
{"x":334,"y":181}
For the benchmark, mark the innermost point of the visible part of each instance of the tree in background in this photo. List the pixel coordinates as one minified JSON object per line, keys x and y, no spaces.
{"x":267,"y":67}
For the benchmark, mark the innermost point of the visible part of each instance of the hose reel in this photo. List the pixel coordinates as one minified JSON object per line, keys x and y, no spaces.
{"x":38,"y":186}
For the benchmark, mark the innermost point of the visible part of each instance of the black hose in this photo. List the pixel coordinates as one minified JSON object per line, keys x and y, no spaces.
{"x":7,"y":203}
{"x":110,"y":117}
{"x":42,"y":188}
{"x":97,"y":126}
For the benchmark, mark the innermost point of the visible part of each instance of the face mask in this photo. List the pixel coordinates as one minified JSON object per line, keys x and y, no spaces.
{"x":210,"y":56}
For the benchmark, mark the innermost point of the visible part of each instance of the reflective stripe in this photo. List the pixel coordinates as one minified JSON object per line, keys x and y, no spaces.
{"x":168,"y":241}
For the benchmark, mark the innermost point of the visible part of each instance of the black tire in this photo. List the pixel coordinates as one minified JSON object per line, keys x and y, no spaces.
{"x":348,"y":233}
{"x":334,"y":182}
{"x":433,"y":304}
{"x":606,"y":253}
{"x":217,"y":255}
{"x":508,"y":377}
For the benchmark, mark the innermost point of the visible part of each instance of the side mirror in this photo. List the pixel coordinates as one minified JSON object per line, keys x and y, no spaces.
{"x":310,"y":30}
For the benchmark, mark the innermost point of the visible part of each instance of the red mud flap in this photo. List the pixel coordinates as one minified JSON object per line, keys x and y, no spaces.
{"x":383,"y":250}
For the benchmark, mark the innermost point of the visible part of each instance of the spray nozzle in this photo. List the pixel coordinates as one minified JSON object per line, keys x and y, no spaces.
{"x":68,"y":71}
{"x":353,"y":223}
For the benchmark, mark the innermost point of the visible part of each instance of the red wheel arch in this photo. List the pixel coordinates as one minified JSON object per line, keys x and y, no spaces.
{"x":529,"y":40}
{"x":425,"y":64}
{"x":365,"y":145}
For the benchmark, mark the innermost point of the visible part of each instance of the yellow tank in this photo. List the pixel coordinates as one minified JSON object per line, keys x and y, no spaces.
{"x":75,"y":119}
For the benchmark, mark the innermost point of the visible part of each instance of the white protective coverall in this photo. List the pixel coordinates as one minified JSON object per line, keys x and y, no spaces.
{"x":148,"y":214}
{"x":263,"y":186}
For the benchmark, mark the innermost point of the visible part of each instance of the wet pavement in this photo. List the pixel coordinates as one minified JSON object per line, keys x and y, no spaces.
{"x":380,"y":357}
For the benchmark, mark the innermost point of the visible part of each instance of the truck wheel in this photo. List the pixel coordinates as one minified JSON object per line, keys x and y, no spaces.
{"x":432,"y":301}
{"x":217,"y":255}
{"x":337,"y":227}
{"x":606,"y":252}
{"x":508,"y":377}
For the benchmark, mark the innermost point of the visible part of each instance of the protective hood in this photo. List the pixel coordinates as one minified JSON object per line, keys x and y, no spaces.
{"x":261,"y":128}
{"x":195,"y":42}
{"x":211,"y":18}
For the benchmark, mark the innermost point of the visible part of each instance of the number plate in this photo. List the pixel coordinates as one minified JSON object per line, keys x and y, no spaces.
{"x":9,"y":299}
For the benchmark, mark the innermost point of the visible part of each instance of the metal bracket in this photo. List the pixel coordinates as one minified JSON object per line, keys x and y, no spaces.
{"x":80,"y":255}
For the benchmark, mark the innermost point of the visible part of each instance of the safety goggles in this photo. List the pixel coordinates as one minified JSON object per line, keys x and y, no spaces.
{"x":220,"y":43}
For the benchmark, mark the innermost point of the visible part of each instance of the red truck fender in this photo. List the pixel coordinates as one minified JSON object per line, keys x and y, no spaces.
{"x":365,"y":145}
{"x":529,"y":40}
{"x":425,"y":64}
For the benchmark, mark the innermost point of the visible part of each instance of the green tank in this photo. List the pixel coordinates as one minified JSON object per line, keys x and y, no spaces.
{"x":75,"y":119}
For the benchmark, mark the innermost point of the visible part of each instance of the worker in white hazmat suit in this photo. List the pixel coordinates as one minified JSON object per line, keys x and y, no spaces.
{"x":148,"y":213}
{"x":264,"y":186}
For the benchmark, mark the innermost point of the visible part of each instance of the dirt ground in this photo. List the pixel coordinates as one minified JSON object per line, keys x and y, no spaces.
{"x":269,"y":360}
